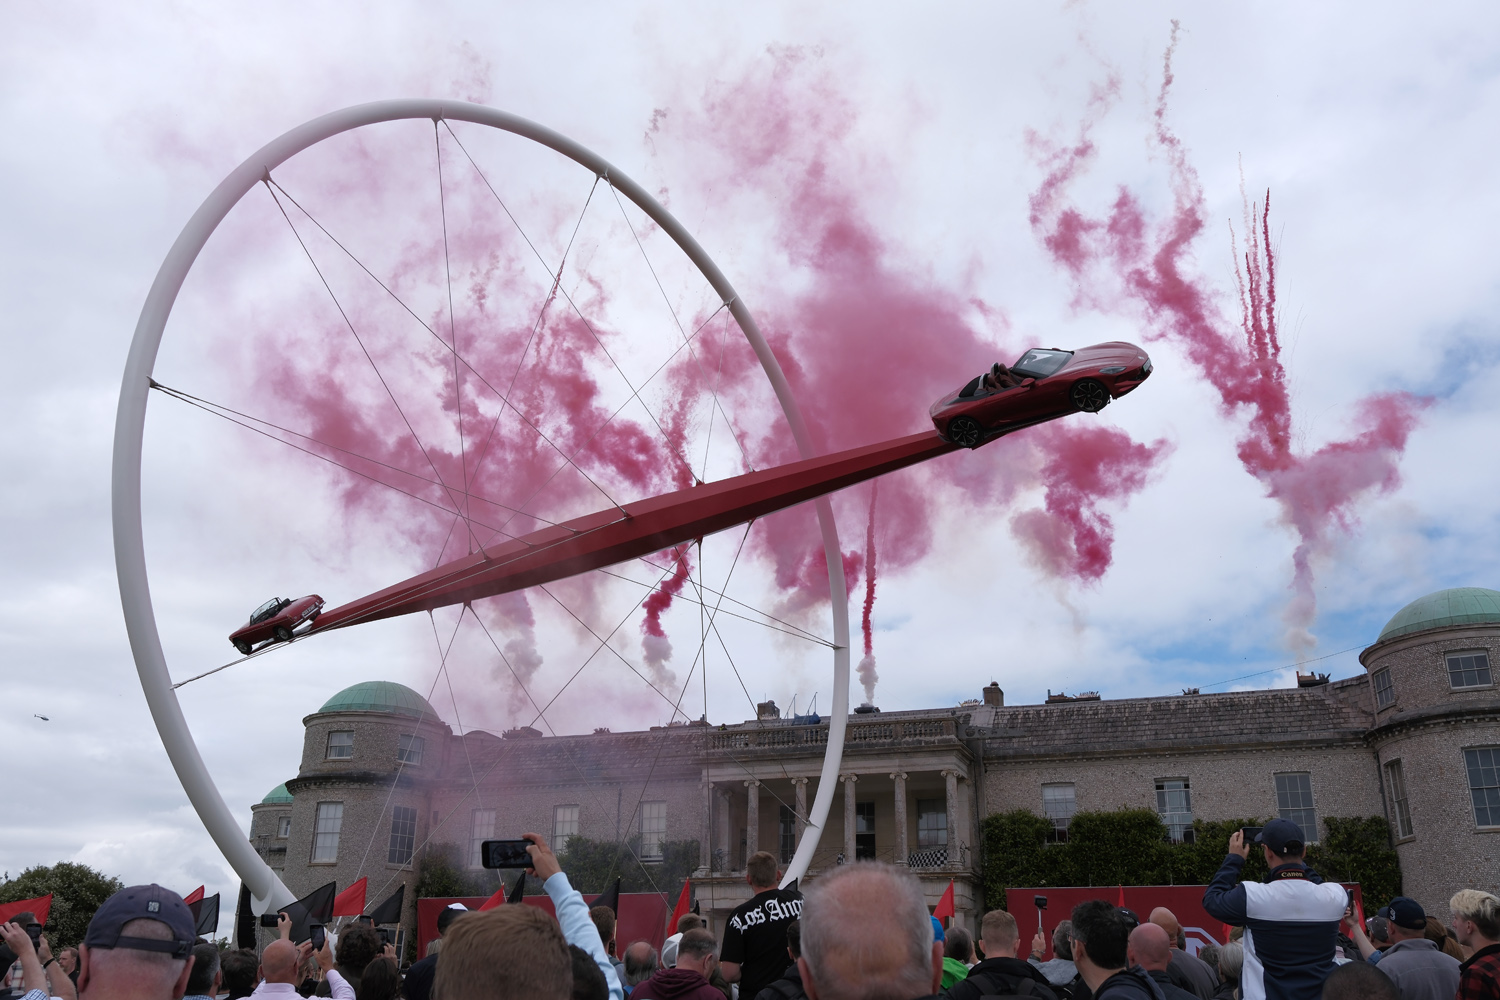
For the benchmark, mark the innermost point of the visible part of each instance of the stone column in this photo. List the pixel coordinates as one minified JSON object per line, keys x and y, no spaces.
{"x":799,"y":785}
{"x":848,"y":780}
{"x":704,"y":844}
{"x":950,"y":779}
{"x":721,"y":830}
{"x":902,"y":848}
{"x":752,"y":817}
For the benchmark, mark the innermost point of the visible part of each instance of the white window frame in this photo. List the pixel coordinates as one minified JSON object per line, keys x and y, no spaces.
{"x":1178,"y":831}
{"x":326,"y":831}
{"x":1395,"y":784}
{"x":564,"y":825}
{"x":936,"y":831}
{"x":1286,"y":810}
{"x":1385,"y":688}
{"x":409,"y":749}
{"x":653,"y":830}
{"x":1059,"y":809}
{"x":283,"y":827}
{"x":1488,"y":668}
{"x":481,"y":828}
{"x":1469,"y":773}
{"x":340,"y":745}
{"x":403,"y":836}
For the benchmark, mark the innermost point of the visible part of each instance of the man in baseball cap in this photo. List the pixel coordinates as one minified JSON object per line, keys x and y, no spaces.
{"x":139,"y":946}
{"x":1416,"y":965}
{"x":1291,"y":920}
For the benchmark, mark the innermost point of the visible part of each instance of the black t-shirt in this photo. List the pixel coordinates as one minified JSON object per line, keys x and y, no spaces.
{"x":755,"y":937}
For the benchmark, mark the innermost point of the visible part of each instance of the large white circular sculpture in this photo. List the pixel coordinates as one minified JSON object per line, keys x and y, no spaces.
{"x":266,"y":888}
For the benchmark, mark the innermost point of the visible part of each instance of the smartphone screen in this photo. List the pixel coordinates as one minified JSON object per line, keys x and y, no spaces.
{"x":1251,"y":832}
{"x":506,"y":854}
{"x":269,"y":919}
{"x":318,"y":936}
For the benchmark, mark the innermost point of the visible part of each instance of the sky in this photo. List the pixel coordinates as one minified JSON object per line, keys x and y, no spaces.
{"x":772,"y":131}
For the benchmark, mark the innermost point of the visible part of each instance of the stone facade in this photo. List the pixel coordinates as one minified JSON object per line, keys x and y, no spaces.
{"x":914,"y":785}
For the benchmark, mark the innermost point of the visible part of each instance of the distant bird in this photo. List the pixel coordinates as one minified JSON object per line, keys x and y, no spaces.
{"x":42,"y":717}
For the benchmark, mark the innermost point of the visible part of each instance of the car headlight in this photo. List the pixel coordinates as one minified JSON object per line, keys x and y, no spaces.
{"x":1112,"y":370}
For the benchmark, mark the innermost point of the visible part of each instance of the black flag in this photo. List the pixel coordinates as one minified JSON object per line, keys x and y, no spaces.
{"x":791,"y":886}
{"x":314,"y":908}
{"x":206,"y":916}
{"x":611,"y":898}
{"x":389,"y":912}
{"x":518,"y":891}
{"x":244,"y":920}
{"x":697,"y":908}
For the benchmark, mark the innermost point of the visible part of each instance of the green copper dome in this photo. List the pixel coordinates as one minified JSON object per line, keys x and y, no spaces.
{"x":379,"y":696}
{"x":277,"y":796}
{"x":1458,"y":606}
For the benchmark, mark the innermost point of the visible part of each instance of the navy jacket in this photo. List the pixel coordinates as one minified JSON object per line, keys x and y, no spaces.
{"x":1291,"y":926}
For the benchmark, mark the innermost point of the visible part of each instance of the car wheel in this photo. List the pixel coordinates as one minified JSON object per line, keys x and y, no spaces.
{"x":283,"y":634}
{"x":1089,"y":396}
{"x":964,"y":432}
{"x":242,"y":646}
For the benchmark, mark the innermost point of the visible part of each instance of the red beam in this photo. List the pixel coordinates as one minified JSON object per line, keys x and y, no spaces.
{"x":646,"y":526}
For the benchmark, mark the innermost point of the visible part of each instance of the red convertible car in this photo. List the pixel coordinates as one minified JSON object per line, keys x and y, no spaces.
{"x":275,"y":621}
{"x":1046,"y":383}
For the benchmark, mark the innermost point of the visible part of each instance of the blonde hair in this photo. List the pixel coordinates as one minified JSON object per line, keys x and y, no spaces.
{"x":1480,"y":907}
{"x":508,"y":953}
{"x":999,"y":929}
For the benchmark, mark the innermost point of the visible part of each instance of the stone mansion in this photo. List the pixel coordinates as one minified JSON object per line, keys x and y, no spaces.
{"x":1415,"y":738}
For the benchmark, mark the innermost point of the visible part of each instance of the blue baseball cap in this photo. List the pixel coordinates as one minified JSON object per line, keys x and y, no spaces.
{"x":144,"y":902}
{"x":937,"y":929}
{"x":1282,"y":836}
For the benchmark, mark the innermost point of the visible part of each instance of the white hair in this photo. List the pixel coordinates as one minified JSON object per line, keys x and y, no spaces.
{"x":867,"y":935}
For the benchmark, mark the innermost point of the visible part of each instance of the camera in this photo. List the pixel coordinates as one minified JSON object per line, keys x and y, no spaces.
{"x":1040,"y":901}
{"x":1250,"y":833}
{"x":34,"y":931}
{"x":505,"y":854}
{"x":269,"y":919}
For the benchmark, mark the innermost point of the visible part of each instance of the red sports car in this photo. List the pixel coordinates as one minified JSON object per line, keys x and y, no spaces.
{"x":275,"y":620}
{"x":1046,"y":383}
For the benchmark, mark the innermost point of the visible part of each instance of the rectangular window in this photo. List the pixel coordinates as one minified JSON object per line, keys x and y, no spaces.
{"x":409,"y":750}
{"x":1294,"y":801}
{"x":1484,"y":784}
{"x":482,"y":828}
{"x":1385,"y":690}
{"x":341,"y":745}
{"x":864,"y":830}
{"x":1174,"y":801}
{"x":932,"y":823}
{"x":403,"y":835}
{"x":1059,"y":805}
{"x":564,"y":827}
{"x":1400,"y":809}
{"x":1469,"y":670}
{"x":283,"y":827}
{"x":653,"y":829}
{"x":787,"y":823}
{"x":326,"y":832}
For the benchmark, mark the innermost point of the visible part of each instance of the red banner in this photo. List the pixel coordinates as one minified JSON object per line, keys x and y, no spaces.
{"x":643,"y":915}
{"x":1185,"y":902}
{"x":40,"y":905}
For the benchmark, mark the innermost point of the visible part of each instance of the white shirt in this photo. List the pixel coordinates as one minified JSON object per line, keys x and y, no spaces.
{"x":337,"y":985}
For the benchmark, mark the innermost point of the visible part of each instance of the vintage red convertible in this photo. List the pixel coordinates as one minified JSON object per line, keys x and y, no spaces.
{"x":1046,"y":383}
{"x":275,"y":621}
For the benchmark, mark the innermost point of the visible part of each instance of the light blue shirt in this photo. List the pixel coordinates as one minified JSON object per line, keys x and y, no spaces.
{"x":578,"y":928}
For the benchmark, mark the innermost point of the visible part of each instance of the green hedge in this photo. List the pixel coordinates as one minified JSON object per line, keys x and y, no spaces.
{"x":1129,"y":847}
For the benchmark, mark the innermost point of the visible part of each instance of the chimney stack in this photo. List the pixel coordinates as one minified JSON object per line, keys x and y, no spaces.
{"x":993,"y":695}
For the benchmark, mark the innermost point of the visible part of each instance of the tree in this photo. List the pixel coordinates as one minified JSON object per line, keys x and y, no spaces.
{"x":77,"y":891}
{"x":592,"y":866}
{"x":439,"y":873}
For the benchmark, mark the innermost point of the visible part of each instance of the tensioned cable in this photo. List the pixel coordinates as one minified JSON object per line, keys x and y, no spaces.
{"x":214,"y":408}
{"x":357,"y":339}
{"x":1272,"y":670}
{"x":478,"y":374}
{"x":731,"y":614}
{"x":671,"y":309}
{"x":458,"y":394}
{"x":797,"y":629}
{"x":579,"y":313}
{"x":448,"y":676}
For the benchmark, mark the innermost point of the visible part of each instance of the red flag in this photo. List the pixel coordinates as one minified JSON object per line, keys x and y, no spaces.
{"x":41,"y":906}
{"x":1121,"y":903}
{"x":195,"y":895}
{"x":683,"y":907}
{"x":350,"y":902}
{"x":498,"y":899}
{"x":944,"y":908}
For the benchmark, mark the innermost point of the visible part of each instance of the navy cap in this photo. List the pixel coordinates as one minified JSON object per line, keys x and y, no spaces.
{"x":1282,"y":836}
{"x":1406,"y":912}
{"x":143,"y":902}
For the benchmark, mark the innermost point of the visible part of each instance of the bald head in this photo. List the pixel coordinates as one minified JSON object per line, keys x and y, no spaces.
{"x":278,"y":963}
{"x":1149,"y":947}
{"x":1167,"y":921}
{"x":893,"y":956}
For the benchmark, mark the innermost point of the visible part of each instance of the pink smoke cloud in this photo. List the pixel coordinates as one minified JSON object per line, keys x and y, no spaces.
{"x":1150,"y":264}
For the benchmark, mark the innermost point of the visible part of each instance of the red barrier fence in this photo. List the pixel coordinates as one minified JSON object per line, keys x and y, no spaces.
{"x":642,"y":917}
{"x":1185,"y":902}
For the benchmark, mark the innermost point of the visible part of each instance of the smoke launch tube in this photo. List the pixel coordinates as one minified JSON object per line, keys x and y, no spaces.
{"x":645,"y":526}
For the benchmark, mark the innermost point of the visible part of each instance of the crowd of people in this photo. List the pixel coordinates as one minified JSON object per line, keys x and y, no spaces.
{"x":863,"y":932}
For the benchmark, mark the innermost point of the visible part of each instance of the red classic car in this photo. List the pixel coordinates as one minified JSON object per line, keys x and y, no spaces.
{"x":275,"y":621}
{"x":1046,"y":383}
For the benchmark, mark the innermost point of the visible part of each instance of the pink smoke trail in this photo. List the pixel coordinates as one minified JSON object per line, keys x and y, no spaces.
{"x":1150,"y":262}
{"x":867,"y":675}
{"x":654,"y":642}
